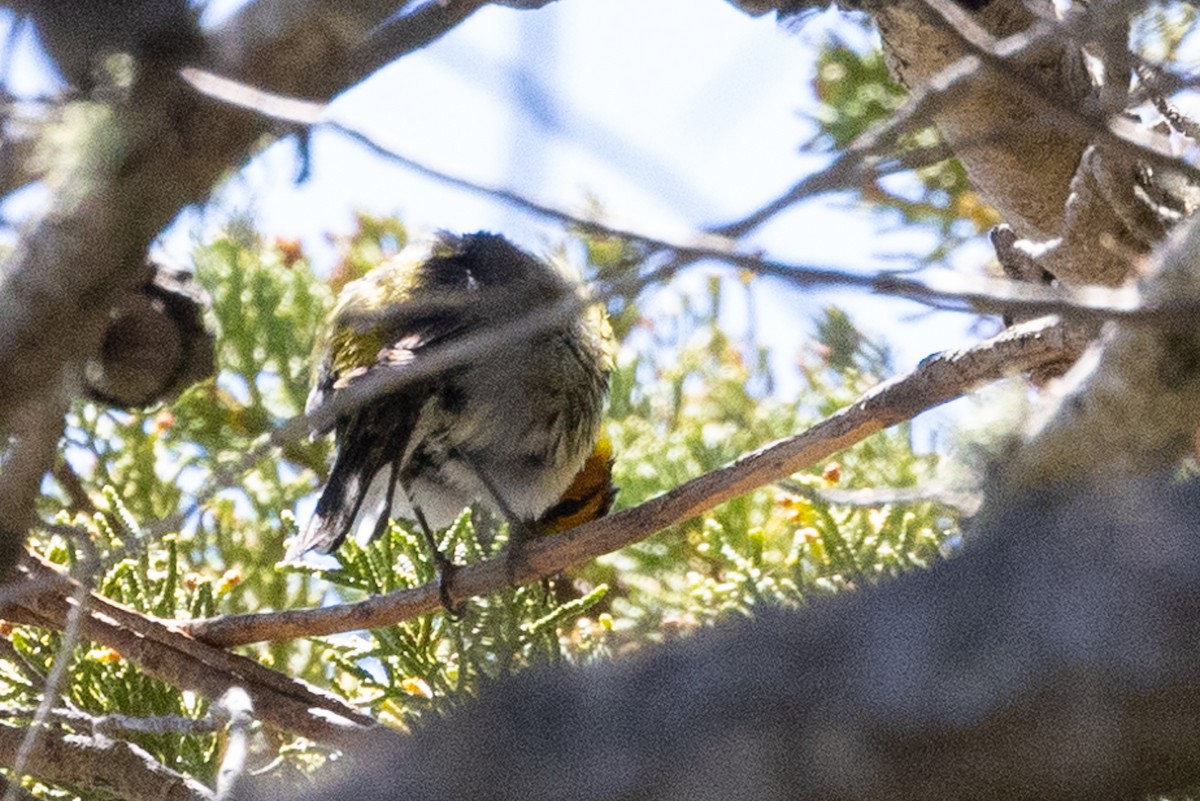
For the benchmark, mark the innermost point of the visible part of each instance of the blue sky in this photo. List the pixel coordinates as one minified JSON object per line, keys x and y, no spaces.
{"x":675,"y":114}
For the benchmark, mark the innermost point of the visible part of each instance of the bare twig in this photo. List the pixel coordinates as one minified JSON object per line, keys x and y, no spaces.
{"x":237,"y":708}
{"x":937,"y":380}
{"x":942,"y":91}
{"x":114,"y":724}
{"x":77,"y":496}
{"x":847,"y":168}
{"x":296,"y":111}
{"x":410,"y":32}
{"x":867,"y":498}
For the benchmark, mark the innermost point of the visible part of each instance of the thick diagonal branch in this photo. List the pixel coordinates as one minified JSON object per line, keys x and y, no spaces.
{"x":167,"y":654}
{"x":120,"y":768}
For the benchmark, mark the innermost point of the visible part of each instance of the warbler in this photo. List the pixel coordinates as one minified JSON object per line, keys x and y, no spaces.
{"x":507,"y":418}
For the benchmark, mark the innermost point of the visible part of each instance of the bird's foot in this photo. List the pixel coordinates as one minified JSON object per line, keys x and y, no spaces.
{"x":446,"y":570}
{"x":514,"y":553}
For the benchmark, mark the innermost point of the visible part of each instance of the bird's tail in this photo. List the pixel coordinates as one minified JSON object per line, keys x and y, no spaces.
{"x":357,"y":463}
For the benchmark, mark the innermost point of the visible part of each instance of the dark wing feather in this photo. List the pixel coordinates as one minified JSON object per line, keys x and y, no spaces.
{"x":367,"y":443}
{"x":372,"y":439}
{"x":369,"y":440}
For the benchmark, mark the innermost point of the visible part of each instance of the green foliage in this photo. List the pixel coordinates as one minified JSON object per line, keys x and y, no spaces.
{"x":688,"y":412}
{"x":187,"y":510}
{"x":101,"y":683}
{"x":406,"y":671}
{"x":855,"y":92}
{"x":1160,"y":31}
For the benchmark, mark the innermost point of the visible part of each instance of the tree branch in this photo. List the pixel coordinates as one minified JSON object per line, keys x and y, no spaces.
{"x":114,"y":766}
{"x":167,"y":654}
{"x":405,"y":34}
{"x":938,"y":379}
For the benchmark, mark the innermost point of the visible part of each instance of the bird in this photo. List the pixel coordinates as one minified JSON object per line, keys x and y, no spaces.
{"x":497,"y":373}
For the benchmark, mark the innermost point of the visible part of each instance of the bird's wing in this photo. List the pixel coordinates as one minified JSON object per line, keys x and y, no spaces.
{"x":368,"y":441}
{"x":370,"y":438}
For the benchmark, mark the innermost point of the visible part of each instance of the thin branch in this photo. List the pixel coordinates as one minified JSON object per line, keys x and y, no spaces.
{"x":938,"y":379}
{"x":305,"y":113}
{"x":847,"y":168}
{"x":236,"y":707}
{"x":941,"y":92}
{"x":116,"y":724}
{"x":869,"y":498}
{"x":846,"y":171}
{"x":408,"y":33}
{"x":77,"y":496}
{"x":974,"y":294}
